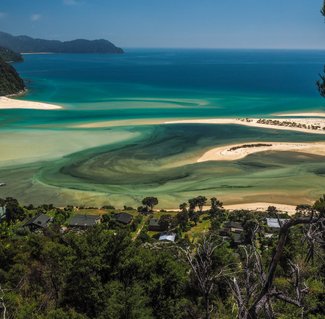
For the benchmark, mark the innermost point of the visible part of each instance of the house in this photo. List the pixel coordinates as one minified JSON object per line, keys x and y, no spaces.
{"x":231,"y":228}
{"x":2,"y":212}
{"x":40,"y":221}
{"x":154,"y":225}
{"x":84,"y":221}
{"x":274,"y":224}
{"x":232,"y":231}
{"x":168,"y":237}
{"x":124,"y":218}
{"x":234,"y":227}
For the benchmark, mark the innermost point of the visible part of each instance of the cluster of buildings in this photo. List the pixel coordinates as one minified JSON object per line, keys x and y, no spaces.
{"x":234,"y":231}
{"x":42,"y":221}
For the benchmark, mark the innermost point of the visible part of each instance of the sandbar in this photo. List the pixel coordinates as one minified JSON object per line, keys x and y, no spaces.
{"x":8,"y":103}
{"x":239,"y":151}
{"x":303,"y":114}
{"x":308,"y":125}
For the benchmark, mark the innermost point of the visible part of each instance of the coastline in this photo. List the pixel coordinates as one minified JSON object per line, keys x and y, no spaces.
{"x":239,"y":151}
{"x":252,"y":206}
{"x":7,"y":102}
{"x":262,"y":206}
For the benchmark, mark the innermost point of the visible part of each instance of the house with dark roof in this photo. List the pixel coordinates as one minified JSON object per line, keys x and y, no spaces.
{"x":231,"y":228}
{"x":84,"y":221}
{"x":154,"y":225}
{"x":124,"y":218}
{"x":39,"y":221}
{"x":232,"y":231}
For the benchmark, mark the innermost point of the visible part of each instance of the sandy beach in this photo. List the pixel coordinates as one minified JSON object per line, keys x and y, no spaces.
{"x":238,"y":151}
{"x":290,"y":209}
{"x":8,"y":103}
{"x":254,"y":206}
{"x":308,"y":125}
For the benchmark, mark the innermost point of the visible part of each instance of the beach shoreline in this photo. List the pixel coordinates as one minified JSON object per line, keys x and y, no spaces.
{"x":11,"y":103}
{"x":251,"y":206}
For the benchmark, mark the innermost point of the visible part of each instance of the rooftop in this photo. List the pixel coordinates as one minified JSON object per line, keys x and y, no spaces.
{"x":124,"y":218}
{"x":154,"y":222}
{"x":168,"y":237}
{"x":84,"y":220}
{"x":40,"y":220}
{"x":274,"y":222}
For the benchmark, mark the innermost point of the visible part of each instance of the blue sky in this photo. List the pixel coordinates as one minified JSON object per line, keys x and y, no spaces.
{"x":171,"y":23}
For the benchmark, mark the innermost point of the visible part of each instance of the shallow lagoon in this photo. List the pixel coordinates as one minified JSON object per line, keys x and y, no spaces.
{"x":47,"y":159}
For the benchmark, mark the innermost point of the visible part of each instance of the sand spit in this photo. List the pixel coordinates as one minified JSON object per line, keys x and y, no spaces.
{"x":8,"y":103}
{"x":238,"y":151}
{"x":309,"y":125}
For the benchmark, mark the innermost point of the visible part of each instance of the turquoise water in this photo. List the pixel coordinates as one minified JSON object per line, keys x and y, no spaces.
{"x":160,"y":160}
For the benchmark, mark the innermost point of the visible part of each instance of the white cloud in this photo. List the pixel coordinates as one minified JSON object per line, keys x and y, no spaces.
{"x":35,"y":17}
{"x":70,"y":2}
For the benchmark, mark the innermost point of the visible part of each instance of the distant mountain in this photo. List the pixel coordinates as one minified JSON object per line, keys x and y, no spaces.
{"x":25,"y":44}
{"x":9,"y":55}
{"x":10,"y":81}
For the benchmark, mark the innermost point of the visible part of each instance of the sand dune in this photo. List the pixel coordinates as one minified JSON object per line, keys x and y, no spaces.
{"x":8,"y":103}
{"x":238,"y":151}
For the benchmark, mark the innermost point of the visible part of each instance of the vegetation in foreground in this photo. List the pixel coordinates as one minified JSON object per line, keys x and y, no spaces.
{"x":222,"y":264}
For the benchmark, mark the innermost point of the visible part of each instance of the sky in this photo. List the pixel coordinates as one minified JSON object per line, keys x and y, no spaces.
{"x":284,"y":24}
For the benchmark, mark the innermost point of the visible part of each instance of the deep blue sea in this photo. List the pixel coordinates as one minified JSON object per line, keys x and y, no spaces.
{"x":171,"y":83}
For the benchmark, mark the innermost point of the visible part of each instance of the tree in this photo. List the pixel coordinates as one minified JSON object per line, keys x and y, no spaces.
{"x":150,"y":202}
{"x":207,"y":269}
{"x":126,"y":302}
{"x":13,"y":211}
{"x":254,"y":290}
{"x":216,"y":207}
{"x":183,"y":207}
{"x":320,"y":206}
{"x":166,"y":222}
{"x":201,"y":201}
{"x":182,"y":217}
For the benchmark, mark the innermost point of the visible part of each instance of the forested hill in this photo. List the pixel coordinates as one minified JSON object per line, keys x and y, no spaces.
{"x":29,"y":45}
{"x":10,"y":56}
{"x":10,"y":81}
